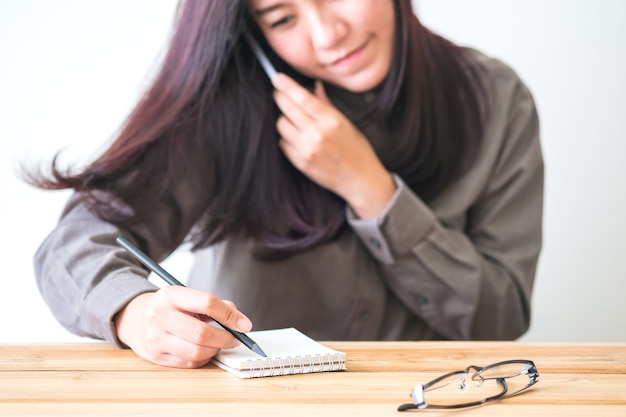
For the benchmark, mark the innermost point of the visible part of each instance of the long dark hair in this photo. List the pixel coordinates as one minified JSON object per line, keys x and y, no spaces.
{"x":210,"y":100}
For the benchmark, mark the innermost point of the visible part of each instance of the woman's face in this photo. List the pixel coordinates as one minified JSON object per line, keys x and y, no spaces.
{"x":348,"y":43}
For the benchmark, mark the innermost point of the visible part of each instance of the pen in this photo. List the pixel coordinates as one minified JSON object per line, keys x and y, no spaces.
{"x":157,"y":269}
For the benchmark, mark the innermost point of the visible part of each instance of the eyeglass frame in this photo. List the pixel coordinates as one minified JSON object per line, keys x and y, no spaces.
{"x":417,"y":393}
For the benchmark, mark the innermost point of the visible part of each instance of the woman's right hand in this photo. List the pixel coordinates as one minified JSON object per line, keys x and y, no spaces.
{"x":171,"y":327}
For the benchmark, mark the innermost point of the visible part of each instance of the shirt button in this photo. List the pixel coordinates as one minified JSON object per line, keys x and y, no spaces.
{"x":366,"y":315}
{"x":422,"y":299}
{"x":375,"y":243}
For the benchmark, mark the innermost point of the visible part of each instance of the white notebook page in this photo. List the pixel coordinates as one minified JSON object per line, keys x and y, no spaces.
{"x":289,"y":351}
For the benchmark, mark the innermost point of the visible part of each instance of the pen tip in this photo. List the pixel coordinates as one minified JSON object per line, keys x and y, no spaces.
{"x":256,"y":349}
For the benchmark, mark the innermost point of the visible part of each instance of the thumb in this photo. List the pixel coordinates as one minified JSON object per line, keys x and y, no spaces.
{"x":320,"y":92}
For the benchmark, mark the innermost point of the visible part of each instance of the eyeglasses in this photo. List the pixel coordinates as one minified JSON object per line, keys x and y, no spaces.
{"x":494,"y":382}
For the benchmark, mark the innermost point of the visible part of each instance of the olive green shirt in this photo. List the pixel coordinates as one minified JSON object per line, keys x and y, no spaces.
{"x":460,"y":267}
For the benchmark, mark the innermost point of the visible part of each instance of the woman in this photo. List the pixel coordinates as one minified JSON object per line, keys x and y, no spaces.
{"x":386,"y":184}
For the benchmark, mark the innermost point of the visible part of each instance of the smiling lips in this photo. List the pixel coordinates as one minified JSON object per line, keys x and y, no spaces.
{"x":350,"y":57}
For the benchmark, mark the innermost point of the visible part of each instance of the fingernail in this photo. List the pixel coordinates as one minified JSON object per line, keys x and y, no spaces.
{"x":244,"y":325}
{"x":278,"y":80}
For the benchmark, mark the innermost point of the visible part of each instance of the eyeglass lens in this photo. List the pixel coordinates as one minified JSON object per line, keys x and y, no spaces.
{"x":516,"y":374}
{"x":462,"y":388}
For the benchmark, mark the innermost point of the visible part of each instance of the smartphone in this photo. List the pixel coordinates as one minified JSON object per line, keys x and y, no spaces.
{"x":260,"y":55}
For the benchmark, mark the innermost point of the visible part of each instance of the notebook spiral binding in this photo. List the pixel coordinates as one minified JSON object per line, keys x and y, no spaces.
{"x":295,"y":365}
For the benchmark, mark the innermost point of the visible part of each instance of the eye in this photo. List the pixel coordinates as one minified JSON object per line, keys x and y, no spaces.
{"x":281,"y":22}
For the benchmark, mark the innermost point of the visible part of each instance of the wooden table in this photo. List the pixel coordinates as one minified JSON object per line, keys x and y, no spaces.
{"x":97,"y":379}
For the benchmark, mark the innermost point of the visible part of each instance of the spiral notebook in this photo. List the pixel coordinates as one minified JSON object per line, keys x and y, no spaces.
{"x":289,"y":351}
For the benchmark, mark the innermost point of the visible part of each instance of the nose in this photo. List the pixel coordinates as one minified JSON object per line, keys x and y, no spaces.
{"x":327,"y":30}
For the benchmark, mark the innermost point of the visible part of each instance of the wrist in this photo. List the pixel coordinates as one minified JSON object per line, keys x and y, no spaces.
{"x":126,"y":320}
{"x":372,"y":198}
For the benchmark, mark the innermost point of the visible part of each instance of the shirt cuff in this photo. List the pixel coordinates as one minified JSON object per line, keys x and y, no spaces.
{"x":405,"y":222}
{"x":109,"y":298}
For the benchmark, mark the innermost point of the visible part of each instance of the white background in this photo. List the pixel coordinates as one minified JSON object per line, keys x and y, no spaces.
{"x":70,"y":70}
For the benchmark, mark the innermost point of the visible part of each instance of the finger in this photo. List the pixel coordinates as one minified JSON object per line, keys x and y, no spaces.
{"x":174,"y":361}
{"x":197,"y":332}
{"x":299,"y":95}
{"x":182,"y":354}
{"x":208,"y":319}
{"x":291,"y":152}
{"x":287,"y":130}
{"x":320,"y":92}
{"x":189,"y":354}
{"x":203,"y":302}
{"x":296,"y":115}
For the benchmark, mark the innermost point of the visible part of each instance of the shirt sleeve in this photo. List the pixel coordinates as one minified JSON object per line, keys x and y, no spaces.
{"x":86,"y":278}
{"x":471,"y":280}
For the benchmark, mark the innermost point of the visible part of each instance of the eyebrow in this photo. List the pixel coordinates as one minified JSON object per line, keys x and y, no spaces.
{"x":261,"y":12}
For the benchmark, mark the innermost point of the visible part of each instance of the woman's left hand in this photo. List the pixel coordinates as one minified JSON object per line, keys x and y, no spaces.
{"x":322,"y":143}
